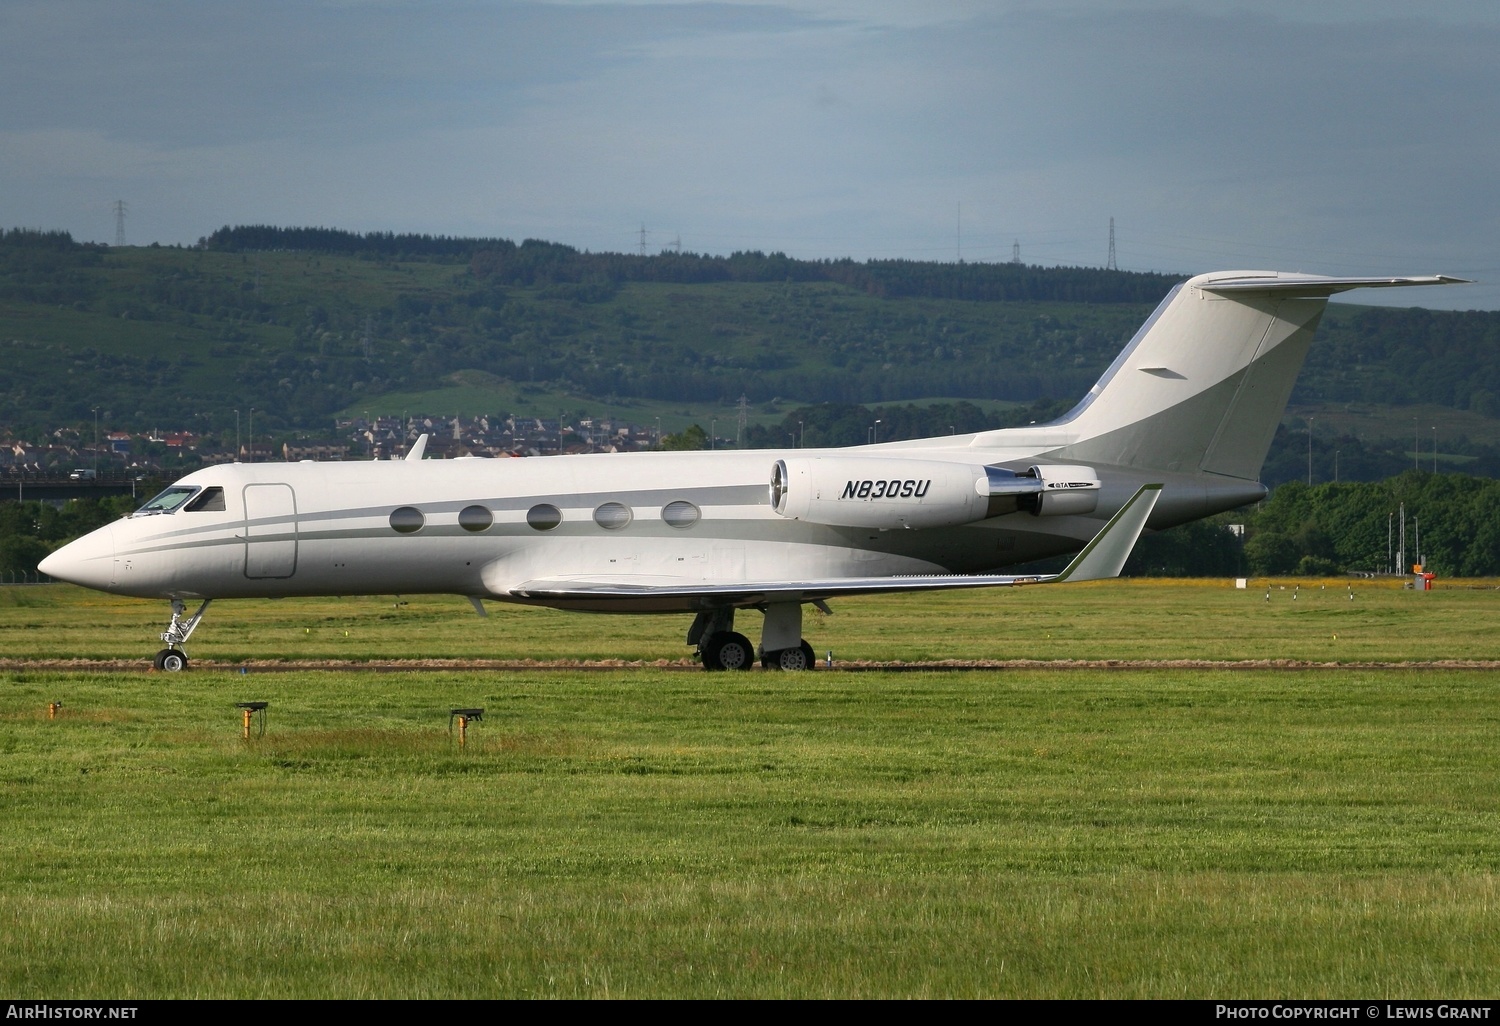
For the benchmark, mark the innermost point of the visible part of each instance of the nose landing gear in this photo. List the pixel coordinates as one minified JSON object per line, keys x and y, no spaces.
{"x":172,"y":659}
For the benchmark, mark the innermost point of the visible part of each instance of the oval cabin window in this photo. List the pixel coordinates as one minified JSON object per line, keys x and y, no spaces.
{"x":407,"y":520}
{"x":544,"y":517}
{"x":475,"y":518}
{"x":680,"y":514}
{"x":612,"y":516}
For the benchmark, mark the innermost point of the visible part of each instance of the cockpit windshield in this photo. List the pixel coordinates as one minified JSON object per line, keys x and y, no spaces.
{"x":167,"y":501}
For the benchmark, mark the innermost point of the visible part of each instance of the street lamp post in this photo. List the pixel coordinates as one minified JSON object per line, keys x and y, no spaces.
{"x":713,"y":432}
{"x":877,"y":430}
{"x":96,"y":444}
{"x":1309,"y":451}
{"x":236,"y":436}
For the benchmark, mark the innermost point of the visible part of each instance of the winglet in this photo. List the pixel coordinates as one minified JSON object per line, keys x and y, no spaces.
{"x":418,"y":449}
{"x":1106,"y":554}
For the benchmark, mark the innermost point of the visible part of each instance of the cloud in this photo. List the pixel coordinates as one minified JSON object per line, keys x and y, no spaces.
{"x":1330,"y":137}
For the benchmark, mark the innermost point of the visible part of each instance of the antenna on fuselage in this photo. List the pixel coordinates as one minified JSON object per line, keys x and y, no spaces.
{"x":418,"y":449}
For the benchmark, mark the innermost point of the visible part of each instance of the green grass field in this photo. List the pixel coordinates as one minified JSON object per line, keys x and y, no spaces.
{"x":1114,"y":620}
{"x":640,"y":831}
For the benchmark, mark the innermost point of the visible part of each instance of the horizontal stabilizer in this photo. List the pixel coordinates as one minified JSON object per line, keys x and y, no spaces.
{"x":1318,"y":285}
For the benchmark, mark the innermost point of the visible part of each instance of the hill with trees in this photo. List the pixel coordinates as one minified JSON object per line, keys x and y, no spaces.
{"x":302,"y":322}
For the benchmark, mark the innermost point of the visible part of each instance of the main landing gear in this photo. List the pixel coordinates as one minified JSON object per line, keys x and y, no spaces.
{"x":799,"y":658}
{"x":172,"y":658}
{"x":782,"y":647}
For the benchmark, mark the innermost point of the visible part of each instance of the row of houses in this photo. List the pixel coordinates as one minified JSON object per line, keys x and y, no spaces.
{"x":123,"y":452}
{"x":507,"y":435}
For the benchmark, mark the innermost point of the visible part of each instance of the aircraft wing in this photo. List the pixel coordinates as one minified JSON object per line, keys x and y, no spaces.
{"x":1103,"y":557}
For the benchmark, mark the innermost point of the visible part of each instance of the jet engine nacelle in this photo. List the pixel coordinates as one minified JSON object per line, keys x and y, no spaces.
{"x":888,"y":493}
{"x":1065,"y":491}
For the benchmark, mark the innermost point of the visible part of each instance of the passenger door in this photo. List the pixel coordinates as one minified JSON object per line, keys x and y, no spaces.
{"x":270,"y":531}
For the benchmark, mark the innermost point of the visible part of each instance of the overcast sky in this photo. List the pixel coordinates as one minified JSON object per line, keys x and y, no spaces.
{"x":1335,"y":136}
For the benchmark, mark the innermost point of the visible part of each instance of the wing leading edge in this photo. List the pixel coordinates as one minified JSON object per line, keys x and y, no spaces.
{"x":1101,"y":558}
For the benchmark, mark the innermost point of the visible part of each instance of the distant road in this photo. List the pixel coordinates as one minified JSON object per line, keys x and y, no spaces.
{"x":57,"y":489}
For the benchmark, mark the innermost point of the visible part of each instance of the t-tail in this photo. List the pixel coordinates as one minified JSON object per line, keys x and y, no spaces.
{"x":1203,"y":384}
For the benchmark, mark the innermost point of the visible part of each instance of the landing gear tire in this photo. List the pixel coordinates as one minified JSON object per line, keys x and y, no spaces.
{"x":728,"y":650}
{"x":170,"y":660}
{"x":799,"y":658}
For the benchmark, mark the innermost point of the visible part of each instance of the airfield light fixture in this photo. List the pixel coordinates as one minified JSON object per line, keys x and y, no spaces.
{"x":463,"y":716}
{"x":251,"y":711}
{"x":53,"y":708}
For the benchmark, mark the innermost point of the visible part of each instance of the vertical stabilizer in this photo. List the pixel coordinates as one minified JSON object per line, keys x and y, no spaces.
{"x":1205,"y":381}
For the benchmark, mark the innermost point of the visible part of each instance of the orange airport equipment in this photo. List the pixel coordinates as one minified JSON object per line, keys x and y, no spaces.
{"x":52,"y":710}
{"x":252,"y":710}
{"x":463,"y":716}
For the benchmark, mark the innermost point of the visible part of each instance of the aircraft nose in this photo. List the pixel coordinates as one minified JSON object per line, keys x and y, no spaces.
{"x":89,"y":561}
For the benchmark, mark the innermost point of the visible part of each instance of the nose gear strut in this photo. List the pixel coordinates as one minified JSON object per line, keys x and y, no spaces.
{"x":172,"y":658}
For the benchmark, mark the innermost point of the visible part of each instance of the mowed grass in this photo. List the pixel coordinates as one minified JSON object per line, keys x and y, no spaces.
{"x":1302,"y":619}
{"x":642,"y":832}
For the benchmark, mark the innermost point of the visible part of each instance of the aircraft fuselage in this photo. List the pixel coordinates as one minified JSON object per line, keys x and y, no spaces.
{"x":470,"y":527}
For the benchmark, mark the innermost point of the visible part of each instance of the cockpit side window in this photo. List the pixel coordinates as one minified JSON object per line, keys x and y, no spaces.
{"x":210,"y":500}
{"x":168,"y":501}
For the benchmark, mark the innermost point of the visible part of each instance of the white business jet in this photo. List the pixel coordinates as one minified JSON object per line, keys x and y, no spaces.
{"x":1176,"y":429}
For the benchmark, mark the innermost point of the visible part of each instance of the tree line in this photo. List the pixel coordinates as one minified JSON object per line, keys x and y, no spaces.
{"x":537,"y":262}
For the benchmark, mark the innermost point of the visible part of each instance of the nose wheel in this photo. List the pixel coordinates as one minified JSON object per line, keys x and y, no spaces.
{"x":171,"y":660}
